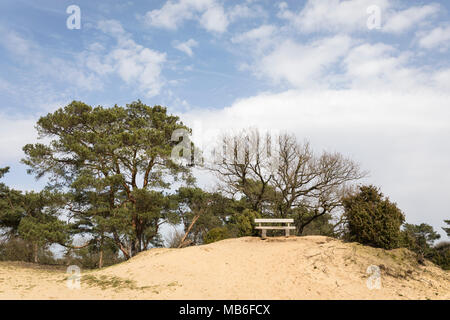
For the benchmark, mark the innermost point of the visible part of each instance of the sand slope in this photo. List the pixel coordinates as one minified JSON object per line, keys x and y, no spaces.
{"x":312,"y":267}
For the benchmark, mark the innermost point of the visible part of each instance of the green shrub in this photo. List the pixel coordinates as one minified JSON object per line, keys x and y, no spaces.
{"x":372,"y":219}
{"x":321,"y":226}
{"x":242,"y":224}
{"x":17,"y":249}
{"x":216,"y":234}
{"x":440,"y":255}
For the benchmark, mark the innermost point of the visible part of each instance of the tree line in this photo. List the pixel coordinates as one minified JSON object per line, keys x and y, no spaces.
{"x":113,"y":183}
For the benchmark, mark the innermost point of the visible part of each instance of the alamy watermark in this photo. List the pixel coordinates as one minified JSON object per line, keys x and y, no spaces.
{"x":217,"y":147}
{"x":74,"y":20}
{"x":374,"y":280}
{"x":74,"y":277}
{"x":374,"y":19}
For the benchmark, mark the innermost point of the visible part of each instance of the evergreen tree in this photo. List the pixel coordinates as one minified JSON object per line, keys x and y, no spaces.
{"x":32,"y":217}
{"x":447,"y":230}
{"x":420,"y":239}
{"x":11,"y":210}
{"x":372,"y":219}
{"x":114,"y":164}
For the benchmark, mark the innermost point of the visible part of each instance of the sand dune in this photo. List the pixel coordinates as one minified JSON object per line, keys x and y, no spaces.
{"x":312,"y":267}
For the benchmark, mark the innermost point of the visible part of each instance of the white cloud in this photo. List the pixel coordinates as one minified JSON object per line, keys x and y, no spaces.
{"x":283,"y":5}
{"x":134,"y":63}
{"x":15,"y":132}
{"x":43,"y":65}
{"x":257,"y":41}
{"x":214,"y":19}
{"x":86,"y":70}
{"x":15,"y":43}
{"x":441,"y":79}
{"x":140,"y":65}
{"x":331,"y":15}
{"x":210,"y":14}
{"x":263,"y":32}
{"x":380,"y":67}
{"x":330,"y":62}
{"x":351,"y":16}
{"x":303,"y":64}
{"x":69,"y":72}
{"x":111,"y":27}
{"x":92,"y":59}
{"x":246,"y":10}
{"x":404,"y":20}
{"x":437,"y":37}
{"x":186,"y":46}
{"x":174,"y":13}
{"x":314,"y":110}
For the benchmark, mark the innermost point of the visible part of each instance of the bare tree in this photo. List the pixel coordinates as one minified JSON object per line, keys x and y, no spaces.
{"x":284,"y":178}
{"x":245,"y":167}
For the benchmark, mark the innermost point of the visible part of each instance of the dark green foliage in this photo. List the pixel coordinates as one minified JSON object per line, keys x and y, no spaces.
{"x":212,"y":211}
{"x":238,"y":223}
{"x":17,"y":249}
{"x":216,"y":234}
{"x":114,"y":163}
{"x":89,"y":257}
{"x":447,"y":230}
{"x":372,"y":219}
{"x":309,"y":223}
{"x":206,"y":209}
{"x":440,"y":255}
{"x":11,"y":210}
{"x":420,"y":239}
{"x":242,"y":224}
{"x":321,"y":226}
{"x":40,"y":223}
{"x":31,"y":217}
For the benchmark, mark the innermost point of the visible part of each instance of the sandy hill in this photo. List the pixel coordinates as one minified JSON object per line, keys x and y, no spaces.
{"x":312,"y":267}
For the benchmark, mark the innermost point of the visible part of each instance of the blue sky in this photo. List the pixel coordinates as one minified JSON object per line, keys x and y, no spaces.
{"x":379,"y":95}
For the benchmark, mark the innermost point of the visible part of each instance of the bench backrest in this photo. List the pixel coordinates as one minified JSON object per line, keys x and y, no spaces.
{"x":274,"y":220}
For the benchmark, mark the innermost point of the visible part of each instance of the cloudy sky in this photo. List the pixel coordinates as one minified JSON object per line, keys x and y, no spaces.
{"x":367,"y":78}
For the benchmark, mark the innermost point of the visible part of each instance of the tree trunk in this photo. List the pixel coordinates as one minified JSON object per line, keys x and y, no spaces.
{"x":126,"y":251}
{"x":100,"y":260}
{"x":188,"y":230}
{"x":135,"y":247}
{"x":300,"y":230}
{"x":35,"y":252}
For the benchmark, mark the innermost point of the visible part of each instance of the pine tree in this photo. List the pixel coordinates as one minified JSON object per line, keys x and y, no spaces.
{"x":447,"y":230}
{"x":114,"y":162}
{"x":32,"y":216}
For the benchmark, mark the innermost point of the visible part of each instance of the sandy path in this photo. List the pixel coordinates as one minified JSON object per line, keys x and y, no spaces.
{"x":310,"y":267}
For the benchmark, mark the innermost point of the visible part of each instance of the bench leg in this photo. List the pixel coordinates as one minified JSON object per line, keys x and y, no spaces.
{"x":263,"y":234}
{"x":287,"y":232}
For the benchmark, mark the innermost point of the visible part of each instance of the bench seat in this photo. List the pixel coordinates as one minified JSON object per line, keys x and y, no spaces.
{"x":275,"y":228}
{"x":263,"y":229}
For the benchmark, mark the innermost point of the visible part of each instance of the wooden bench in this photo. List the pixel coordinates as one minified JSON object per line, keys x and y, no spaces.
{"x":274,"y":227}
